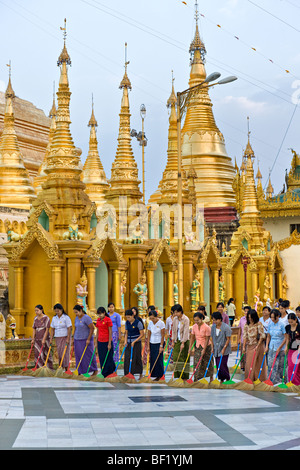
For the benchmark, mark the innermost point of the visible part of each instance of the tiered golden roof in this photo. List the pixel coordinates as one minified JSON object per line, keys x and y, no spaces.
{"x":16,"y":190}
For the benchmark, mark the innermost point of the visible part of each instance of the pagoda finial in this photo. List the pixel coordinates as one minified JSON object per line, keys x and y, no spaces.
{"x":172,"y":100}
{"x":197,"y":44}
{"x":125,"y":83}
{"x":64,"y":56}
{"x":9,"y":90}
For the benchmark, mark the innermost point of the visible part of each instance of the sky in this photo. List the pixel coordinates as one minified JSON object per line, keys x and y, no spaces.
{"x":255,"y":40}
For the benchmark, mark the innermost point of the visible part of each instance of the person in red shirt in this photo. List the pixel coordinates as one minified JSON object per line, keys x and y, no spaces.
{"x":105,"y":345}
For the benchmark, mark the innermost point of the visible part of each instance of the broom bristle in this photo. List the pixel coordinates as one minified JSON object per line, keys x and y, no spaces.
{"x":43,"y":372}
{"x":145,"y":380}
{"x":200,"y":384}
{"x":115,"y":379}
{"x":214,"y":384}
{"x":243,"y":385}
{"x":264,"y":387}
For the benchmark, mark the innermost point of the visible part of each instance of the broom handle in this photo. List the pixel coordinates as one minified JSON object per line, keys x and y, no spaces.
{"x":295,"y":366}
{"x":284,"y":366}
{"x":169,"y":358}
{"x":39,"y":356}
{"x":237,"y":354}
{"x":154,"y":364}
{"x":236,"y":367}
{"x":81,"y":359}
{"x":48,"y":355}
{"x":188,"y":356}
{"x":71,"y":357}
{"x":251,"y":367}
{"x":176,"y":364}
{"x":28,"y":356}
{"x":219,"y":366}
{"x":273,"y":365}
{"x":166,"y":348}
{"x":120,"y":359}
{"x":131,"y":353}
{"x":260,"y":370}
{"x":91,"y":360}
{"x":208,"y":365}
{"x":61,"y":361}
{"x":196,"y":367}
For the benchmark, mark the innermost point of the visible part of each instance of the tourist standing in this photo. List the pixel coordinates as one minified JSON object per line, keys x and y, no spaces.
{"x":221,"y":347}
{"x":275,"y":344}
{"x":253,"y":339}
{"x":201,"y":333}
{"x":61,"y":329}
{"x":231,"y":310}
{"x":104,"y":343}
{"x":180,"y":342}
{"x":41,"y":337}
{"x":292,"y":347}
{"x":116,"y":329}
{"x":83,"y":337}
{"x":156,"y":342}
{"x":134,"y":333}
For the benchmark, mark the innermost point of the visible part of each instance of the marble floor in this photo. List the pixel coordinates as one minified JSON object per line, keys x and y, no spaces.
{"x":60,"y":414}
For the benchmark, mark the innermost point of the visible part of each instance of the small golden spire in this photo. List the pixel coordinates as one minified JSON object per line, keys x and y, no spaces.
{"x":125,"y":83}
{"x":64,"y":56}
{"x":197,"y":44}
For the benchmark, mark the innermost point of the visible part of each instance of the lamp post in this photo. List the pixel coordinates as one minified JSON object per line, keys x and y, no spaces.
{"x":183,"y":99}
{"x":142,"y":139}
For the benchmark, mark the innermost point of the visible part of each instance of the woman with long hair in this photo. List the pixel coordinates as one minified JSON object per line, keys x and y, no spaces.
{"x":61,"y":330}
{"x":83,"y":337}
{"x":253,"y":342}
{"x":41,"y":337}
{"x":134,"y":333}
{"x":105,"y":345}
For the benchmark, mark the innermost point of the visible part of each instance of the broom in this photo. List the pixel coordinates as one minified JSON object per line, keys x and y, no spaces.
{"x":247,"y":384}
{"x":75,"y":373}
{"x":59,"y":372}
{"x":189,"y":381}
{"x":231,"y":383}
{"x":163,"y":378}
{"x":233,"y":369}
{"x":44,"y":371}
{"x":129,"y":377}
{"x":293,"y":387}
{"x":147,"y":379}
{"x":114,"y":376}
{"x":87,"y":375}
{"x":283,"y":387}
{"x":216,"y":383}
{"x":100,"y":376}
{"x":257,"y":382}
{"x":68,"y":373}
{"x":203,"y":383}
{"x":179,"y":382}
{"x":172,"y":377}
{"x":267,"y":385}
{"x":26,"y":368}
{"x":31,"y":372}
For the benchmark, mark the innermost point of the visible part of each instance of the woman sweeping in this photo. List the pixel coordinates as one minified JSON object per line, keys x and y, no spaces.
{"x":275,"y":344}
{"x":156,"y":341}
{"x":292,"y":347}
{"x":134,"y":333}
{"x":105,"y":346}
{"x":221,"y":334}
{"x":201,"y":333}
{"x":83,"y":336}
{"x":41,"y":337}
{"x":116,"y":329}
{"x":181,"y":343}
{"x":61,"y":329}
{"x":253,"y":341}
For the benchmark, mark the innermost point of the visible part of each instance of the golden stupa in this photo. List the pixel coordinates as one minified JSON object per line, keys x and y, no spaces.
{"x":16,"y":190}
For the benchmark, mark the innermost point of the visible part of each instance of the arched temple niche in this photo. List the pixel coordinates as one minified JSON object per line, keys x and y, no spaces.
{"x":208,"y":266}
{"x":160,"y":265}
{"x":105,"y":266}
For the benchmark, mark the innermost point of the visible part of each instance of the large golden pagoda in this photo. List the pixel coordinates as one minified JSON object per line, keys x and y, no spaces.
{"x":203,"y":146}
{"x":16,"y":190}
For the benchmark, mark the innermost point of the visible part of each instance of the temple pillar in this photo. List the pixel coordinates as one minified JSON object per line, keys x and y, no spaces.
{"x":272,"y":295}
{"x":90,"y":269}
{"x":56,"y":273}
{"x":188,"y":277}
{"x":215,"y":276}
{"x":150,"y":285}
{"x":229,"y":284}
{"x":18,"y":312}
{"x":254,"y":283}
{"x":116,"y":284}
{"x":279,"y":280}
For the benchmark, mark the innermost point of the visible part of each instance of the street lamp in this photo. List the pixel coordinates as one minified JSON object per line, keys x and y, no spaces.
{"x":142,"y":139}
{"x":183,"y":99}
